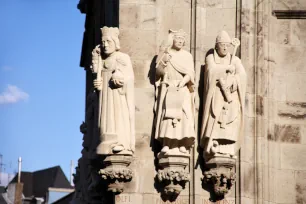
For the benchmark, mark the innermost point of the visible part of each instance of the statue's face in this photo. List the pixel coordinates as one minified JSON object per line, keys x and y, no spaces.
{"x":223,"y":49}
{"x":178,"y":42}
{"x":108,"y":45}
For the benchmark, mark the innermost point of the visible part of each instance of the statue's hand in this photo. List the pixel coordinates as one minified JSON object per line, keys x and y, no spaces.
{"x":118,"y":78}
{"x":118,"y":83}
{"x":231,"y":69}
{"x":182,"y":84}
{"x":97,"y":84}
{"x":167,"y":57}
{"x":184,"y":81}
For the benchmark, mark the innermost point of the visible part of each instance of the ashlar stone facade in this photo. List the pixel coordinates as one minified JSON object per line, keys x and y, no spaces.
{"x":271,"y":164}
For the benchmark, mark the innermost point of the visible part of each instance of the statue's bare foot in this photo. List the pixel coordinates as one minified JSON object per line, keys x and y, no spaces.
{"x":183,"y":149}
{"x":118,"y":148}
{"x":165,"y":149}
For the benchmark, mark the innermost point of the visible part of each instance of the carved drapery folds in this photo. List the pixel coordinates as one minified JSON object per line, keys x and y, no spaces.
{"x":114,"y":84}
{"x":174,"y":112}
{"x":109,"y":132}
{"x":115,"y":87}
{"x":222,"y":122}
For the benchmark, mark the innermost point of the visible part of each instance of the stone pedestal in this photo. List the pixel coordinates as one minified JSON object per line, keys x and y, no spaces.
{"x":116,"y":172}
{"x":220,"y":174}
{"x":173,"y":173}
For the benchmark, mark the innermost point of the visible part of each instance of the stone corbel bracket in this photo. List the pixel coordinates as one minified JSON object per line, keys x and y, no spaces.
{"x":173,"y":175}
{"x":220,"y":174}
{"x":116,"y":171}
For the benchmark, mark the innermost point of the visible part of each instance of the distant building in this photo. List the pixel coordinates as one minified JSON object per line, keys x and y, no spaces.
{"x":5,"y":178}
{"x":43,"y":186}
{"x":66,"y":199}
{"x":55,"y":194}
{"x":2,"y":199}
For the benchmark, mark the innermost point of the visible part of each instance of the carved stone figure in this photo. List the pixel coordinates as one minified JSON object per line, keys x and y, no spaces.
{"x":222,"y":124}
{"x":174,"y":122}
{"x":174,"y":109}
{"x":115,"y":82}
{"x":224,"y":96}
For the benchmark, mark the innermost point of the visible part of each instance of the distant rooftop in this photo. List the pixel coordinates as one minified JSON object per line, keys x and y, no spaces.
{"x":2,"y":189}
{"x":38,"y":182}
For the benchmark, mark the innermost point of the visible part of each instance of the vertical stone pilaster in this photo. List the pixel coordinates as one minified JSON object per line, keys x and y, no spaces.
{"x":254,"y":52}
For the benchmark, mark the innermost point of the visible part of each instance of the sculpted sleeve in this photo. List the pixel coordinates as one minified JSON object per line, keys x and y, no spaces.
{"x":125,"y":65}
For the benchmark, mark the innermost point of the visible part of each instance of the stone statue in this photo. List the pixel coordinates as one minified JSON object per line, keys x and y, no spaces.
{"x":174,"y":107}
{"x":115,"y":83}
{"x":224,"y":96}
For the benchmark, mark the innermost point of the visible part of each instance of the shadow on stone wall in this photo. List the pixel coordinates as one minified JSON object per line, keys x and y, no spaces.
{"x":201,"y":161}
{"x":155,"y":145}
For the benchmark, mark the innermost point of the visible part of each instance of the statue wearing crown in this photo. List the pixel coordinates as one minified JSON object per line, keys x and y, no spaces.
{"x":174,"y":107}
{"x":115,"y":85}
{"x":224,"y":96}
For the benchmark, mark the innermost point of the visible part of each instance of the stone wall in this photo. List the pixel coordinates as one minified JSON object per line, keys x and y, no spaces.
{"x":286,"y":102}
{"x":272,"y":157}
{"x":252,"y":55}
{"x":271,"y":166}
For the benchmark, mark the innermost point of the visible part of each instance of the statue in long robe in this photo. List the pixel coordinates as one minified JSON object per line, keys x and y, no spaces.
{"x":224,"y":96}
{"x":174,"y":107}
{"x":115,"y":82}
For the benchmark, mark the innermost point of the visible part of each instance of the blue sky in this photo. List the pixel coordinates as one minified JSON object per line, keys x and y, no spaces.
{"x":42,"y":87}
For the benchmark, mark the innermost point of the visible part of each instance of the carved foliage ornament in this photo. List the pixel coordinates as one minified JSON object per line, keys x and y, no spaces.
{"x":125,"y":174}
{"x":222,"y":181}
{"x":173,"y":180}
